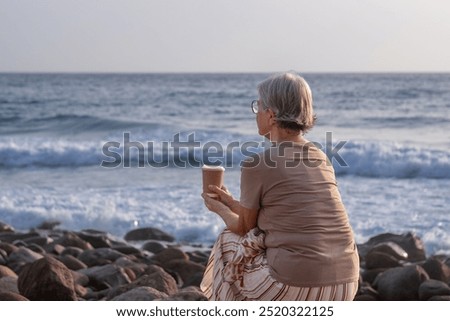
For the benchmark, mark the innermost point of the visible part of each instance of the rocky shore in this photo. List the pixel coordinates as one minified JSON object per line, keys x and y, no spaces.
{"x":50,"y":264}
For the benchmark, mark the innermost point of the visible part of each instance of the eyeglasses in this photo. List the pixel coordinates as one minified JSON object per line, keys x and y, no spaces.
{"x":255,"y":106}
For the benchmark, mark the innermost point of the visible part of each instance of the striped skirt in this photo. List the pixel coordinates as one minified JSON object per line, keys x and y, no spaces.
{"x":237,"y":270}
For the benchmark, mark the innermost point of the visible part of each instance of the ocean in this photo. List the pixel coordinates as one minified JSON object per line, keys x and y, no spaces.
{"x":115,"y":152}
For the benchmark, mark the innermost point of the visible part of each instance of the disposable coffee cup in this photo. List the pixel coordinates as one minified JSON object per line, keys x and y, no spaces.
{"x":212,"y":175}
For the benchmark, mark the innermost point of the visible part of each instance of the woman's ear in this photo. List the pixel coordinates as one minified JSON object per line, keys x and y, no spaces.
{"x":272,"y":117}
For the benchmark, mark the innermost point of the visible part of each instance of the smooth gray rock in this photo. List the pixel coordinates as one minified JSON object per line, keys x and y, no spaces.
{"x":72,"y":262}
{"x":153,"y":246}
{"x":190,"y":293}
{"x":409,"y":242}
{"x":158,"y":279}
{"x":142,"y":293}
{"x":185,"y":269}
{"x":378,"y":260}
{"x":71,"y":239}
{"x":400,"y":283}
{"x":97,"y":239}
{"x":430,"y":288}
{"x":8,"y":248}
{"x":391,"y":248}
{"x":106,"y":276}
{"x":70,"y":250}
{"x":169,"y":254}
{"x":102,"y":256}
{"x":148,"y":233}
{"x":437,"y":269}
{"x":18,"y":259}
{"x":10,"y":237}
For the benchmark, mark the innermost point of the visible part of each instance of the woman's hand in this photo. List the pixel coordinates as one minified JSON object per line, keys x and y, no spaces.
{"x":225,"y":197}
{"x":215,"y":205}
{"x":238,"y":219}
{"x":230,"y":218}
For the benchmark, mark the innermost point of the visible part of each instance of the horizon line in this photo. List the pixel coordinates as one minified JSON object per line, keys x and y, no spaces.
{"x":222,"y":72}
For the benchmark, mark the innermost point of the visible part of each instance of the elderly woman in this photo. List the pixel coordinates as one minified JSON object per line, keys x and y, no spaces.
{"x":288,"y":238}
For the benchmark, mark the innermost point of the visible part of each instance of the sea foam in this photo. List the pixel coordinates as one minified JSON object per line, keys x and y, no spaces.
{"x":359,"y":158}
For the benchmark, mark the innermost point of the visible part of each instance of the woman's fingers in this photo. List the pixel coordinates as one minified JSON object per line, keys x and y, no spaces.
{"x":224,"y":196}
{"x":213,"y":188}
{"x":213,"y":204}
{"x":207,"y":200}
{"x":219,"y":190}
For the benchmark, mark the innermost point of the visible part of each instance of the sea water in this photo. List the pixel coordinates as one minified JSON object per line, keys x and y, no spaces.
{"x":119,"y":151}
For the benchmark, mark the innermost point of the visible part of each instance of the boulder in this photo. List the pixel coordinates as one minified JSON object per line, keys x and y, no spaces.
{"x":71,"y":262}
{"x":390,"y":248}
{"x":366,"y":293}
{"x":10,"y":237}
{"x":38,"y":240}
{"x":409,"y":242}
{"x":36,"y":248}
{"x":9,"y":284}
{"x":47,"y":279}
{"x":437,"y":269}
{"x":138,"y":268}
{"x":54,"y":248}
{"x":169,"y":254}
{"x":185,"y":269}
{"x":127,"y":249}
{"x":21,"y":257}
{"x":385,"y":255}
{"x":153,"y":246}
{"x":8,"y":248}
{"x":370,"y":275}
{"x":12,"y":296}
{"x":400,"y":283}
{"x":6,"y":271}
{"x":142,"y":293}
{"x":71,"y":239}
{"x":194,"y":280}
{"x":100,"y":256}
{"x":190,"y":293}
{"x":199,"y":257}
{"x":106,"y":276}
{"x":431,"y":288}
{"x":5,"y":227}
{"x":80,"y":278}
{"x":378,"y":260}
{"x":81,"y":291}
{"x":148,"y":233}
{"x":97,"y":239}
{"x":3,"y":257}
{"x":157,"y":279}
{"x":70,"y":250}
{"x":92,"y":295}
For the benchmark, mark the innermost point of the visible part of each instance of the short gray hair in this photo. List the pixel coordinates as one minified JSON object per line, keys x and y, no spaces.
{"x":288,"y":95}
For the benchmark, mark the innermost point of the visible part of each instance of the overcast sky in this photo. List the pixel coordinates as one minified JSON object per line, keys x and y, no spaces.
{"x":224,"y":35}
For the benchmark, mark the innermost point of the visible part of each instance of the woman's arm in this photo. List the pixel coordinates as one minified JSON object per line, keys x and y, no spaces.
{"x":237,"y":218}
